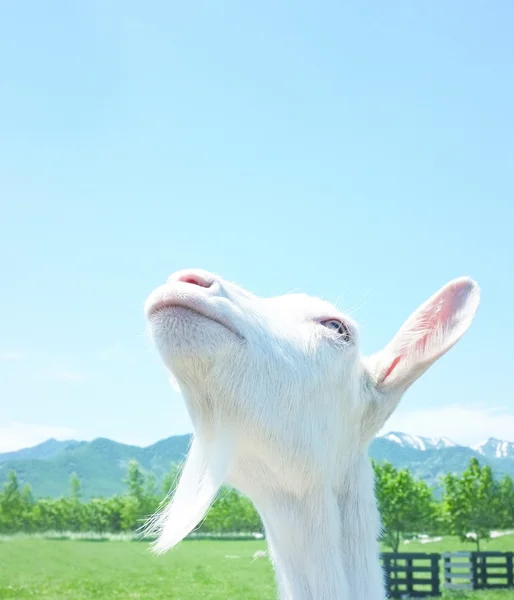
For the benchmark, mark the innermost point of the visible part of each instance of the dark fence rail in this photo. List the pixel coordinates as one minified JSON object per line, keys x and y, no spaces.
{"x":417,"y":575}
{"x":411,"y":575}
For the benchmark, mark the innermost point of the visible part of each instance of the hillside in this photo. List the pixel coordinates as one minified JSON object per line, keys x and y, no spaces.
{"x":101,"y":464}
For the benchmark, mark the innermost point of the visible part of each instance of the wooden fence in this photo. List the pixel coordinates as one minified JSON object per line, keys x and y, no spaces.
{"x":417,"y":575}
{"x":411,"y":575}
{"x":478,"y":570}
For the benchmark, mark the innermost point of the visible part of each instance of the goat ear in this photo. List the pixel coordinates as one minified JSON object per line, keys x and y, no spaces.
{"x":426,"y":335}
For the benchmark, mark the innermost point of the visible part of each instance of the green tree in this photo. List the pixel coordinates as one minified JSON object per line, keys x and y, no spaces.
{"x":472,"y":502}
{"x":150,"y":486}
{"x":150,"y":498}
{"x":11,"y":505}
{"x":26,"y":505}
{"x":135,"y":480}
{"x":506,"y":490}
{"x":170,"y":479}
{"x":405,"y":503}
{"x":130,"y":514}
{"x":27,"y":498}
{"x":75,"y":486}
{"x":440,"y":524}
{"x":104,"y":514}
{"x":142,"y":499}
{"x":12,"y":488}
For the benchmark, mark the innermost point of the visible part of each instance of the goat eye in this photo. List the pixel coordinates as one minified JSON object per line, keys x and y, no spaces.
{"x":338,"y":327}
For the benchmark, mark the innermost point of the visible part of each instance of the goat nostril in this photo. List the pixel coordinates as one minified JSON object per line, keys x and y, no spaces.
{"x":195,"y":280}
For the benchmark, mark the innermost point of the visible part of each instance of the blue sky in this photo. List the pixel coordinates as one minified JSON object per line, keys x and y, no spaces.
{"x":362,"y":152}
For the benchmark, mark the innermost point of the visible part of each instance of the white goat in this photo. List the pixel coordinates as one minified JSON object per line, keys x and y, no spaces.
{"x":284,"y":408}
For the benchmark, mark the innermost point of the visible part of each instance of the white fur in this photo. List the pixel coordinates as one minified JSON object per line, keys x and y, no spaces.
{"x":284,"y":410}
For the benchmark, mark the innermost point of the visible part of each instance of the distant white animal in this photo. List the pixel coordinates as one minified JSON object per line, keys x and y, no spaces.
{"x":284,"y":408}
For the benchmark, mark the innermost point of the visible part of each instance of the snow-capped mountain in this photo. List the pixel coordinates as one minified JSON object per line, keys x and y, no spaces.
{"x":101,"y":463}
{"x":494,"y":448}
{"x":419,"y":443}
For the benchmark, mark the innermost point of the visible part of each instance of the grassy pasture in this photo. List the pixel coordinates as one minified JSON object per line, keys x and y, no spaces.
{"x":116,"y":570}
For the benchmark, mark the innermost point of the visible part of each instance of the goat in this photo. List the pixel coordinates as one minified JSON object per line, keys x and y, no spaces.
{"x":283,"y":408}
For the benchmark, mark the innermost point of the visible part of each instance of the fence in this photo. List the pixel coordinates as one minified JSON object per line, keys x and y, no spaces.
{"x":417,"y":575}
{"x":478,"y":570}
{"x":411,"y":575}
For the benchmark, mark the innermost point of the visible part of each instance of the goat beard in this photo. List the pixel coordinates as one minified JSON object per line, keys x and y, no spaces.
{"x":205,"y":471}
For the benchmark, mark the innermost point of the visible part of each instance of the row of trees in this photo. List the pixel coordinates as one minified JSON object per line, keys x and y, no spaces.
{"x":20,"y":512}
{"x":474,"y":502}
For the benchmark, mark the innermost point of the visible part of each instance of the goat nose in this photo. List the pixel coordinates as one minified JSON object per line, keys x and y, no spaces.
{"x":192,"y":278}
{"x":195,"y":280}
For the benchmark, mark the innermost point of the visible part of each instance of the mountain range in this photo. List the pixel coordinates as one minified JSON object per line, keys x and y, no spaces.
{"x":101,"y":464}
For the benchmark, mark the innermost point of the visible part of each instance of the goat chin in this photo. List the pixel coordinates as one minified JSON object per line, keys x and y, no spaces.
{"x":284,"y":408}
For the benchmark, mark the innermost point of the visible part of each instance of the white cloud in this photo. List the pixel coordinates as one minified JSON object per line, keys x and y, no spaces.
{"x":14,"y":436}
{"x":66,"y":375}
{"x":11,"y":355}
{"x":467,"y":425}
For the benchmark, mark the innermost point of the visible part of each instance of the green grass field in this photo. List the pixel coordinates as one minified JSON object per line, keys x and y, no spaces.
{"x":113,"y":570}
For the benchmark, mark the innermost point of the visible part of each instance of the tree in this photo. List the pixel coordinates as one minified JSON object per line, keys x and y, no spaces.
{"x":150,"y":486}
{"x":105,"y":514}
{"x":405,"y":503}
{"x":142,"y":500}
{"x":12,"y":488}
{"x":135,"y":480}
{"x":130,"y":513}
{"x":27,"y":498}
{"x":11,"y":504}
{"x":170,"y":480}
{"x":75,"y":486}
{"x":150,"y":500}
{"x":472,"y":502}
{"x":506,"y":490}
